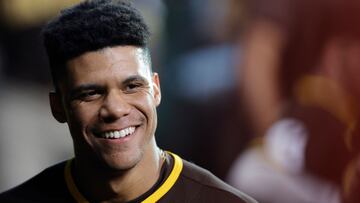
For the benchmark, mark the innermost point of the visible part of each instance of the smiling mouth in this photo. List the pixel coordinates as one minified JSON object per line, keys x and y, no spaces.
{"x":117,"y":134}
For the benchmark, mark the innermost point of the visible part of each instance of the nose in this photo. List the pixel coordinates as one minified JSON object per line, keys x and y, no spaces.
{"x":114,"y":107}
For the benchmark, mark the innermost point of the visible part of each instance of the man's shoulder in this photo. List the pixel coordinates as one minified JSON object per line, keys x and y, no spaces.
{"x":45,"y":186}
{"x":195,"y":184}
{"x":210,"y":185}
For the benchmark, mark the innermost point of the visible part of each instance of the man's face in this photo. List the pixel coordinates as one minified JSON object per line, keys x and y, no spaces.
{"x":109,"y":100}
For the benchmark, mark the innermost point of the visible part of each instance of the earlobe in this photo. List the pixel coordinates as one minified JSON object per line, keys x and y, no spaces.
{"x":156,"y":87}
{"x":57,"y":109}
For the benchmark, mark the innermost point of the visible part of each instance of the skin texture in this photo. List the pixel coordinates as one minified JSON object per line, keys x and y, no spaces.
{"x":106,"y":90}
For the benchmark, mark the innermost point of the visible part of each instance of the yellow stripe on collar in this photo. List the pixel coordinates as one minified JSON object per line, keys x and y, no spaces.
{"x":154,"y":197}
{"x":169,"y":182}
{"x":71,"y":185}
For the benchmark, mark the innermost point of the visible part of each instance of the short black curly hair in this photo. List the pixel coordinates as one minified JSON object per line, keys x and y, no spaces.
{"x":92,"y":25}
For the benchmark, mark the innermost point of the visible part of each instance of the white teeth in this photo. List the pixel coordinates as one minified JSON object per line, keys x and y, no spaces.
{"x":122,"y":133}
{"x":116,"y":134}
{"x":119,"y":133}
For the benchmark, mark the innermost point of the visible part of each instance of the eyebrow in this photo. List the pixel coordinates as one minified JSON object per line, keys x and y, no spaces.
{"x":133,"y":78}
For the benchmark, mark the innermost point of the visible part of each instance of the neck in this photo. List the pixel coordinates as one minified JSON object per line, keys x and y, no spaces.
{"x":119,"y":186}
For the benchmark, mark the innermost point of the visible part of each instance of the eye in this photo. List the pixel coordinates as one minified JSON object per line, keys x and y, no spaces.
{"x":133,"y":87}
{"x":88,"y":95}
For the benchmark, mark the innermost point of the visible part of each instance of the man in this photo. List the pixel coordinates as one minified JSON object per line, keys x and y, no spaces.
{"x":303,"y":56}
{"x":107,"y":94}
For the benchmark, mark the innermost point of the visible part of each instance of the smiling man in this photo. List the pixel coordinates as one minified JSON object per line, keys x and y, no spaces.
{"x":107,"y":94}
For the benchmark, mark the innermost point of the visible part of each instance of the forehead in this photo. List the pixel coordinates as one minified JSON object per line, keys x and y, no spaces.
{"x":119,"y":59}
{"x":110,"y":55}
{"x":108,"y":64}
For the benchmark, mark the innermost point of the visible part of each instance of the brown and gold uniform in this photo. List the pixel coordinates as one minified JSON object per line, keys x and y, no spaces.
{"x":179,"y":181}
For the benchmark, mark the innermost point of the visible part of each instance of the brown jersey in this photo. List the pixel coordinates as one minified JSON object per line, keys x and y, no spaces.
{"x":179,"y":181}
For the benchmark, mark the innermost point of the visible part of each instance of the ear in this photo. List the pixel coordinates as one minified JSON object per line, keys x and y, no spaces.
{"x":57,"y":109}
{"x":156,"y":88}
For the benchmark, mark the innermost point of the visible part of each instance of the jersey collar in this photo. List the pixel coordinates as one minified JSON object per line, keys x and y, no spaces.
{"x":154,"y":197}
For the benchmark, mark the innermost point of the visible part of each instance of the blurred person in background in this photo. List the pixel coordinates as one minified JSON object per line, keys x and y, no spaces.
{"x":300,"y":80}
{"x":107,"y":93}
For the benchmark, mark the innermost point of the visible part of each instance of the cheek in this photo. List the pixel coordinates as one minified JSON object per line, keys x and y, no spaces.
{"x":82,"y":116}
{"x":145,"y":103}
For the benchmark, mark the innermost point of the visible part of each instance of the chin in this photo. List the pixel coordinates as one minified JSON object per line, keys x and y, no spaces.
{"x":121,"y":162}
